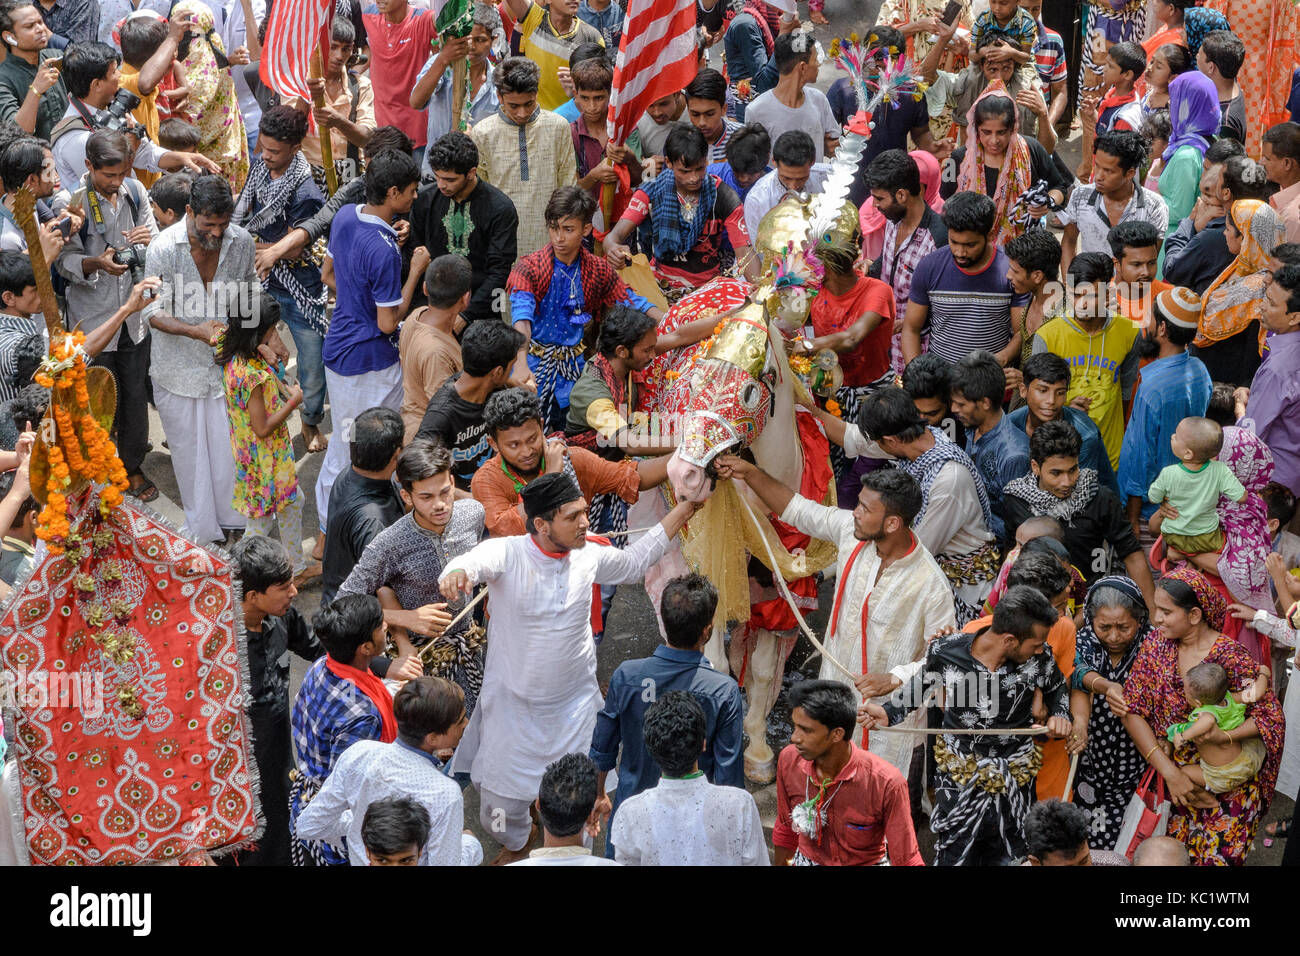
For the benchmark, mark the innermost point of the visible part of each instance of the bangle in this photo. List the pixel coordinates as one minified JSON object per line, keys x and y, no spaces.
{"x":1146,"y":758}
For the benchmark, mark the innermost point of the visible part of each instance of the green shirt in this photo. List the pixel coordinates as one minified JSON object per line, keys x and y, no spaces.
{"x":16,"y":77}
{"x":1180,"y":185}
{"x":1195,"y":494}
{"x":1229,"y":715}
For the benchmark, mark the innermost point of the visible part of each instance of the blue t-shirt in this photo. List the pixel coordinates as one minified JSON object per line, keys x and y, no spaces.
{"x":367,"y":274}
{"x":569,"y":110}
{"x":724,"y":172}
{"x":968,"y":310}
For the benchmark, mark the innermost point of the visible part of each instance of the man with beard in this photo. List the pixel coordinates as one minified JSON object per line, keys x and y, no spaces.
{"x":883,"y":567}
{"x":206,"y":264}
{"x":1094,"y":522}
{"x":1135,"y":247}
{"x":1174,"y":386}
{"x":912,"y":229}
{"x":999,"y":449}
{"x":540,"y":697}
{"x":524,"y":455}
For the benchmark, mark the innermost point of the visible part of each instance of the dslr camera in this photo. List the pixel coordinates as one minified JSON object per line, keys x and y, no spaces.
{"x":133,"y":258}
{"x":119,"y":116}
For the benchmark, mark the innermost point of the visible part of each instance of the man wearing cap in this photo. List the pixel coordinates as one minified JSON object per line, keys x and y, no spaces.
{"x":540,"y":697}
{"x":1174,"y":386}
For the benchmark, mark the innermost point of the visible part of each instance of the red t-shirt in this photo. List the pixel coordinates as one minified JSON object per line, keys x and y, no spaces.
{"x":397,"y":52}
{"x":835,"y":313}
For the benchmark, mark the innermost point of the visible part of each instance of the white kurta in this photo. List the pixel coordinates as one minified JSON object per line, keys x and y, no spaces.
{"x":909,"y":601}
{"x":540,"y":697}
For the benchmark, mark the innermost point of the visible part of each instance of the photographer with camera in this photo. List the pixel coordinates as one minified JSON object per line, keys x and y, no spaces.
{"x":32,"y":93}
{"x":96,"y":101}
{"x":102,"y":262}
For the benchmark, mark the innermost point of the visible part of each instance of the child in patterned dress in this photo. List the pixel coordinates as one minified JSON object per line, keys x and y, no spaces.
{"x":259,"y":403}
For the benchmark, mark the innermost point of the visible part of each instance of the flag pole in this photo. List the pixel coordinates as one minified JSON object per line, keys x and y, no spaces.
{"x":326,"y":143}
{"x":459,"y":75}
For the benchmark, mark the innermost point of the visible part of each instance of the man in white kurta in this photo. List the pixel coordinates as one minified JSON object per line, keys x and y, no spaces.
{"x":883,"y":612}
{"x":540,"y":697}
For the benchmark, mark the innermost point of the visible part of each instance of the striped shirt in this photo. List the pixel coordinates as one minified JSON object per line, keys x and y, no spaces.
{"x":1049,"y":57}
{"x":968,"y":310}
{"x":14,"y":330}
{"x":718,"y":151}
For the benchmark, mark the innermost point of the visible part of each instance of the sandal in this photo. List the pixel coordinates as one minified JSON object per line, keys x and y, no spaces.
{"x":145,"y":491}
{"x":1278,"y":830}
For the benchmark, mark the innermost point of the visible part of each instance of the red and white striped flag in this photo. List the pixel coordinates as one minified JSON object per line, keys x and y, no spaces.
{"x":297,"y":29}
{"x":656,"y":58}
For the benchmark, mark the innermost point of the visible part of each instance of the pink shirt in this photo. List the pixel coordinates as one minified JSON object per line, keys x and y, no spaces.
{"x":1287,"y":203}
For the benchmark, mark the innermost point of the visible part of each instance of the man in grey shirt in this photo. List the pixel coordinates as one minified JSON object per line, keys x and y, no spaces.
{"x":119,"y":217}
{"x":206,"y":265}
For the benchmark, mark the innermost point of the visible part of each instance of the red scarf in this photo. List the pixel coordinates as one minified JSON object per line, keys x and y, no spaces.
{"x":372,"y":687}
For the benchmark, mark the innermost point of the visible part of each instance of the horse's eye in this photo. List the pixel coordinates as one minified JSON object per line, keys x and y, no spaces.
{"x":750,"y":395}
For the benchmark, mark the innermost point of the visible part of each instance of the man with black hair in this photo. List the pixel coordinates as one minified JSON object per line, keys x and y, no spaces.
{"x":1056,"y":834}
{"x":272,"y":628}
{"x":430,"y":717}
{"x":28,"y":162}
{"x":882,"y":566}
{"x":462,"y":215}
{"x":20,"y":318}
{"x":401,"y":564}
{"x":524,"y":454}
{"x":685,"y":819}
{"x":540,"y":696}
{"x":204,"y":251}
{"x":999,"y":449}
{"x":912,"y":229}
{"x":1273,"y":399}
{"x":716,"y":236}
{"x":168,"y":198}
{"x":749,"y":155}
{"x":364,"y":267}
{"x":556,"y":293}
{"x":349,"y":110}
{"x":568,"y":809}
{"x":120,"y":218}
{"x":797,"y":171}
{"x":32,"y":92}
{"x":706,"y":108}
{"x":686,"y":608}
{"x":455,"y":415}
{"x":1220,"y":57}
{"x":339,"y":702}
{"x":1096,"y":528}
{"x":524,"y":151}
{"x":816,"y":823}
{"x":960,"y":295}
{"x":427,"y":344}
{"x":279,"y":192}
{"x":1135,"y":249}
{"x":661,"y":116}
{"x":400,"y":35}
{"x":92,"y":72}
{"x":363,"y":501}
{"x":18,"y":549}
{"x":978,"y":819}
{"x":547,"y":34}
{"x":1174,"y":386}
{"x":795,"y":103}
{"x":1098,"y":344}
{"x":927,"y":380}
{"x":433,"y":92}
{"x":1197,"y":251}
{"x":1113,"y":197}
{"x":1046,"y":381}
{"x":395,"y":832}
{"x":1281,"y":161}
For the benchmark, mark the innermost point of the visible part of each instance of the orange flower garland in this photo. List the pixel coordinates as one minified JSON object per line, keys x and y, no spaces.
{"x":81,"y":450}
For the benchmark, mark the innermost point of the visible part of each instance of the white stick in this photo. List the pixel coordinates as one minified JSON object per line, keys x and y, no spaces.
{"x":1069,"y":781}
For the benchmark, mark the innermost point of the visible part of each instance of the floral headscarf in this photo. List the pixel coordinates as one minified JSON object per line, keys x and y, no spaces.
{"x":213,"y":103}
{"x":1247,"y":542}
{"x":1193,"y":113}
{"x":1197,"y":22}
{"x":1208,"y":598}
{"x":1236,"y":297}
{"x":1016,"y":177}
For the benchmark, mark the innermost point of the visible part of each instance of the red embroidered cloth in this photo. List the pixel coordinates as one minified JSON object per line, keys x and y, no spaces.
{"x":131,"y":735}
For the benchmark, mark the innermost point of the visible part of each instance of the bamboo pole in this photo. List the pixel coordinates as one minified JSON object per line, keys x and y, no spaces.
{"x":326,"y":140}
{"x":459,"y":73}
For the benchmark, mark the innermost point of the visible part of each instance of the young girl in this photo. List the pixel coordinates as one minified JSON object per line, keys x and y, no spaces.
{"x":1167,"y":62}
{"x":259,"y":404}
{"x":1156,"y":130}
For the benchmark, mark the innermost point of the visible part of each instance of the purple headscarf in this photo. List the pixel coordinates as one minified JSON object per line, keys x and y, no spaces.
{"x":1193,"y":112}
{"x":1245,"y":524}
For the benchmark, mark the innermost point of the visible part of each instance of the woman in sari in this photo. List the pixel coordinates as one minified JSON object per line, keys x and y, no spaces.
{"x":213,"y":103}
{"x":1195,"y":118}
{"x":1115,"y":628}
{"x":1015,"y":171}
{"x":1218,"y":829}
{"x":1229,"y":340}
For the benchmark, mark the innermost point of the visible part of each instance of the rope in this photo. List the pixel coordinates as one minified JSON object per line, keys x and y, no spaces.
{"x":975,"y":731}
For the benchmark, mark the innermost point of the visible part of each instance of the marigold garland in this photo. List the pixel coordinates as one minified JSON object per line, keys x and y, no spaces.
{"x":82,"y":449}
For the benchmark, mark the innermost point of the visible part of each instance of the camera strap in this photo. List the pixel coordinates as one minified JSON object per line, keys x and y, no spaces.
{"x":97,"y":213}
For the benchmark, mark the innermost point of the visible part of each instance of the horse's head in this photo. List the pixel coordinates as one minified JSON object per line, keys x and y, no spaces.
{"x":732,"y":391}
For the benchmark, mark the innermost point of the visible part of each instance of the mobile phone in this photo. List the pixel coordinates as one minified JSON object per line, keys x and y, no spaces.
{"x":951,"y":12}
{"x":55,"y":61}
{"x":65,"y":227}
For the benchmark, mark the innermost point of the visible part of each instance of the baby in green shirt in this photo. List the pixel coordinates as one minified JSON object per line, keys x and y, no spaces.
{"x":1225,"y":763}
{"x":1188,"y":494}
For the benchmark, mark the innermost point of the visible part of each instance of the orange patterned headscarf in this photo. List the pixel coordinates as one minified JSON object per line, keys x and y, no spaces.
{"x":1236,"y":297}
{"x":1016,"y":176}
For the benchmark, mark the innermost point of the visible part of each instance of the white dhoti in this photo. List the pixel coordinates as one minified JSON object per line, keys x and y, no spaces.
{"x":13,"y":835}
{"x":350,"y":395}
{"x":198,"y":435}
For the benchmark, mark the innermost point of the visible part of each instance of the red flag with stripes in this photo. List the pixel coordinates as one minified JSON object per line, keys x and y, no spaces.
{"x":657,"y":56}
{"x":297,"y":28}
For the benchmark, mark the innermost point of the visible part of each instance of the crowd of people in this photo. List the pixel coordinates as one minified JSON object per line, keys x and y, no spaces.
{"x":1065,"y":451}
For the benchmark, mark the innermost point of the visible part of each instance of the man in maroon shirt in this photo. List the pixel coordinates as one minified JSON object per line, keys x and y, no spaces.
{"x":837,"y":804}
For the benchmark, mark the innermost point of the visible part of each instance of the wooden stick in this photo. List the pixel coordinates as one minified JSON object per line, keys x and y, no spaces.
{"x":326,"y":140}
{"x":606,"y":212}
{"x":454,"y":621}
{"x":459,"y":71}
{"x":1069,"y":781}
